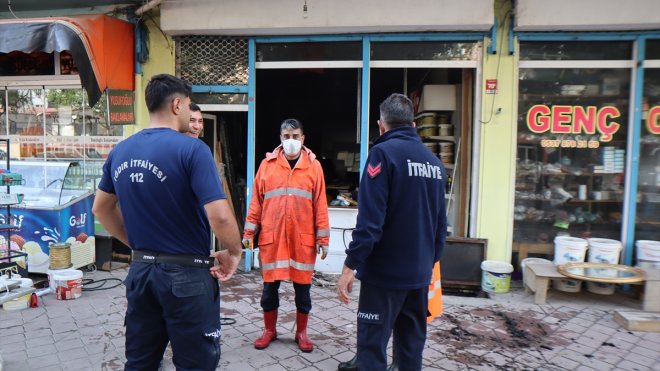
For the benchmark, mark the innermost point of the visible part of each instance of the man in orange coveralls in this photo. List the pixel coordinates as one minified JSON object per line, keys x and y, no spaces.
{"x":290,"y":212}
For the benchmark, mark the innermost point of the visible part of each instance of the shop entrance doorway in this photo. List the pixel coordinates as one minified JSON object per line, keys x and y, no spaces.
{"x":326,"y":101}
{"x":225,"y":132}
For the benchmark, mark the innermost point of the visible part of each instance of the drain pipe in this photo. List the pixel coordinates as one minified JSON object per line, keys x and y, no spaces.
{"x":148,"y":6}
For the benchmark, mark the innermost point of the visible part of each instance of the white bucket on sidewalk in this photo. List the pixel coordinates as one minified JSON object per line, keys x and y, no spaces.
{"x":603,"y":250}
{"x":67,"y":283}
{"x":496,"y":276}
{"x":648,"y":253}
{"x":567,"y":250}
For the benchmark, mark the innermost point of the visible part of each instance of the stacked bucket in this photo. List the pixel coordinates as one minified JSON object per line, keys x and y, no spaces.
{"x":601,"y":250}
{"x":433,"y":127}
{"x":569,"y":250}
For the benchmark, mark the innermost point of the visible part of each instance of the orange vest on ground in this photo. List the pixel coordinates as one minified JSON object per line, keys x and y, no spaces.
{"x":435,"y":295}
{"x":289,"y":210}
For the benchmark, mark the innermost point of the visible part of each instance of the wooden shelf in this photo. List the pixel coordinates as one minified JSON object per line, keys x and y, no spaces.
{"x":440,"y":138}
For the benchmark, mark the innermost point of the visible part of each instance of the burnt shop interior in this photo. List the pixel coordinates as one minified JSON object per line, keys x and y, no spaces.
{"x":326,"y":98}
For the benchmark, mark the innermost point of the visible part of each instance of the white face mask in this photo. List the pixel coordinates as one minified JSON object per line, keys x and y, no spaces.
{"x":291,"y":146}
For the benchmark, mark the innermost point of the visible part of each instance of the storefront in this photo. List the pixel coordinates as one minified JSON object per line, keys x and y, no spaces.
{"x":66,"y":92}
{"x":334,"y":84}
{"x":588,"y":140}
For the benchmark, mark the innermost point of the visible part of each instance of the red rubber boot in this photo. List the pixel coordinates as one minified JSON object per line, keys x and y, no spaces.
{"x":301,"y":333}
{"x":270,"y":334}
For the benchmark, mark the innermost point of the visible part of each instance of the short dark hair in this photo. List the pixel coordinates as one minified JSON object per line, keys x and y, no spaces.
{"x":397,"y":111}
{"x":162,"y":88}
{"x":195,"y":108}
{"x":291,"y":124}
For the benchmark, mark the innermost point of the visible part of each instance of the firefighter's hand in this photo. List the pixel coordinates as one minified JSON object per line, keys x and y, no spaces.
{"x":248,"y":243}
{"x":323,"y":250}
{"x":345,"y":284}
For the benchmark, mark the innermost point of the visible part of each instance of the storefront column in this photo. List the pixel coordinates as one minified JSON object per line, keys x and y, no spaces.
{"x":632,"y":175}
{"x":364,"y":118}
{"x":498,"y":145}
{"x":252,"y":89}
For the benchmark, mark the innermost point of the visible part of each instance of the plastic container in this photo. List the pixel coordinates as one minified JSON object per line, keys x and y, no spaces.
{"x":67,"y":283}
{"x":427,"y":130}
{"x":446,"y":130}
{"x":496,"y":276}
{"x":568,"y":285}
{"x":446,"y":158}
{"x":567,"y":250}
{"x":20,"y":303}
{"x":648,"y":253}
{"x":442,"y":120}
{"x":603,"y":250}
{"x":446,"y":147}
{"x":432,"y":146}
{"x":428,"y":118}
{"x":255,"y":258}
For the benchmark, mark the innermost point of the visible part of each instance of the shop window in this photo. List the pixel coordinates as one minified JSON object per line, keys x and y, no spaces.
{"x":57,"y":125}
{"x":399,"y":51}
{"x":555,"y":51}
{"x":25,"y":122}
{"x":572,"y":133}
{"x":314,"y":51}
{"x":64,"y":123}
{"x":647,"y":224}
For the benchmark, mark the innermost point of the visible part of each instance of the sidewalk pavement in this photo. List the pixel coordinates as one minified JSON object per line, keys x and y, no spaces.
{"x":505,"y":332}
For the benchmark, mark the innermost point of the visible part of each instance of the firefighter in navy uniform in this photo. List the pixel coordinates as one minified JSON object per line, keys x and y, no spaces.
{"x":399,"y":236}
{"x":171,"y":197}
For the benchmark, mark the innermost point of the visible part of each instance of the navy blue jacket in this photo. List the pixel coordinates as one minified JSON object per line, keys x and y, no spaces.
{"x":401,"y":223}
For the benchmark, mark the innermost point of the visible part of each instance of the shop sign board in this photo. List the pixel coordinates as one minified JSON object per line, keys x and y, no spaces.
{"x":653,"y":120}
{"x":121,"y":107}
{"x":589,"y":120}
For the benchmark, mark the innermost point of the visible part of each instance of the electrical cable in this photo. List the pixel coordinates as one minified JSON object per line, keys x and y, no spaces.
{"x":100,"y":284}
{"x":499,"y":59}
{"x":226,"y":321}
{"x":343,"y":233}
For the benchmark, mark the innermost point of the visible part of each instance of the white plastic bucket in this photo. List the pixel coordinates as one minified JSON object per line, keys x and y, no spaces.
{"x":20,"y":303}
{"x":648,"y":253}
{"x":569,"y":249}
{"x":496,"y":276}
{"x":603,"y":250}
{"x":67,"y":283}
{"x":600,"y":288}
{"x":568,"y":285}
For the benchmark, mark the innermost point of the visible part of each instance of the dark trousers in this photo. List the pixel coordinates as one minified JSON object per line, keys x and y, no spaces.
{"x":382,"y":312}
{"x":169,"y":302}
{"x":270,"y":298}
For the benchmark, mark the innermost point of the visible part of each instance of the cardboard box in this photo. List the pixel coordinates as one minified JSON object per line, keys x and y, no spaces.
{"x":438,"y":98}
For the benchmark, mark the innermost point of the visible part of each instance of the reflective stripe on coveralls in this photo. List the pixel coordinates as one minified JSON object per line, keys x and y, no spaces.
{"x":288,"y":191}
{"x":289,"y":263}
